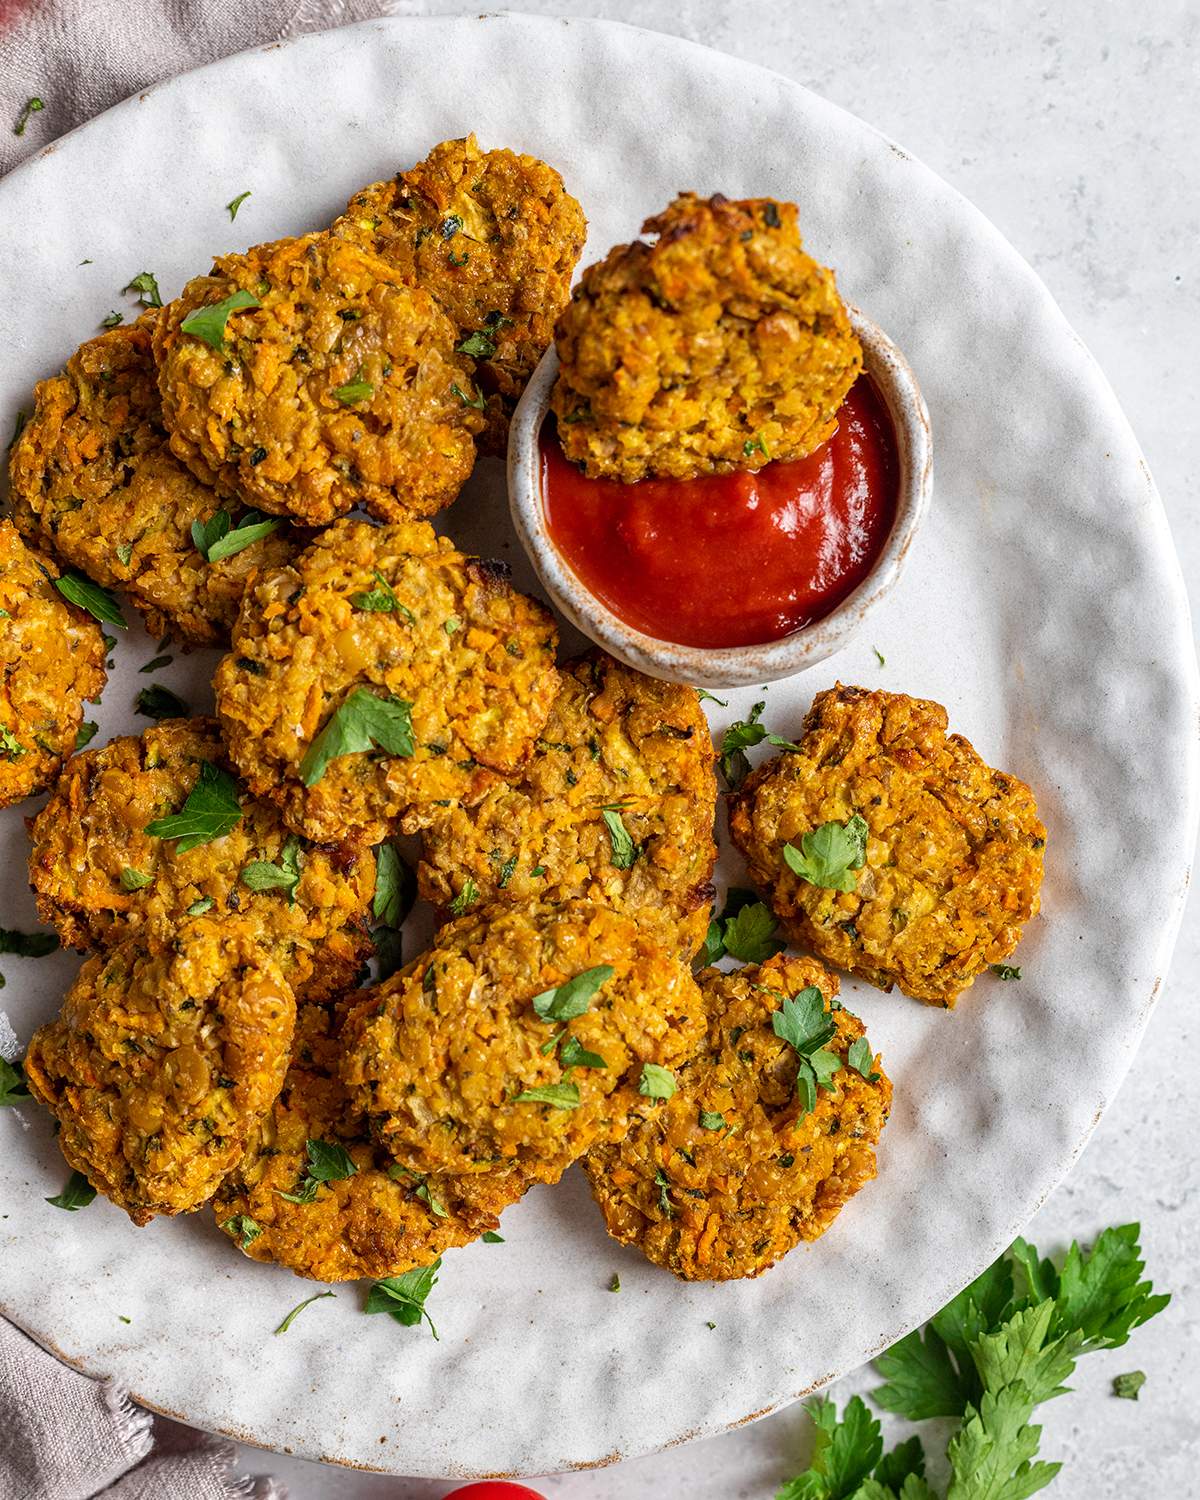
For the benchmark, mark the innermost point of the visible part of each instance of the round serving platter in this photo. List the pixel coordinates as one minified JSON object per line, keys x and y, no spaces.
{"x":1043,"y":604}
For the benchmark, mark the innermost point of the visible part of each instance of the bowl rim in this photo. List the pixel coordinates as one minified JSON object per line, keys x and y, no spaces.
{"x":729,"y":666}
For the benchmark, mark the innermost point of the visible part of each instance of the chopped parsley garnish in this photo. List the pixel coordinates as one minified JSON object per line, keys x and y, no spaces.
{"x":422,"y":1190}
{"x":299,"y":1308}
{"x":476,"y":400}
{"x":707,"y":697}
{"x":235,"y":203}
{"x":27,"y":944}
{"x":354,"y":390}
{"x":507,"y":870}
{"x":803,"y":1023}
{"x":745,"y":930}
{"x":663,"y":1183}
{"x":146,"y":286}
{"x":155,"y":663}
{"x":458,"y":260}
{"x":98,"y":602}
{"x":771,"y":216}
{"x":403,"y":1297}
{"x":1005,"y":971}
{"x":124,"y":551}
{"x":879,"y":656}
{"x":477,"y":345}
{"x":615,"y":1284}
{"x":77,"y":1194}
{"x":572,"y":1054}
{"x":10,"y":745}
{"x":862,"y":1059}
{"x":742,"y":735}
{"x":211,"y":811}
{"x":12,"y":1083}
{"x":363,"y":722}
{"x":243,"y":1229}
{"x":158,"y":702}
{"x":753,"y":444}
{"x":218,"y":538}
{"x":656,"y":1082}
{"x":828,"y":856}
{"x":208,"y":323}
{"x":113,"y":319}
{"x":490,"y":1237}
{"x":467,"y":896}
{"x":711,"y":1120}
{"x":560,"y":1095}
{"x":326,"y":1163}
{"x":198,"y":908}
{"x":262,"y":875}
{"x":135,"y":880}
{"x":382,"y":599}
{"x":1127,"y":1386}
{"x":395,"y":887}
{"x":573,"y":996}
{"x":30,"y":107}
{"x":624,"y":850}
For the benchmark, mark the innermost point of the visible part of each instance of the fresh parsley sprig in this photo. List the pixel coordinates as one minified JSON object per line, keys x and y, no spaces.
{"x":326,"y":1163}
{"x":745,"y":930}
{"x":210,"y":812}
{"x":218,"y":538}
{"x":403,"y":1297}
{"x":262,"y":875}
{"x":98,"y":602}
{"x":831,"y":855}
{"x":804,"y":1024}
{"x":363,"y":722}
{"x":741,"y":736}
{"x":13,"y":1087}
{"x":208,"y":324}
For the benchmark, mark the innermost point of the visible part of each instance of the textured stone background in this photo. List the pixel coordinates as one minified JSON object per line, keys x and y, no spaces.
{"x":1073,"y":127}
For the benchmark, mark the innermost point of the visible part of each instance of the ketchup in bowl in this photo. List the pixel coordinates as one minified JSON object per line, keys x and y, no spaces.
{"x":732,"y":559}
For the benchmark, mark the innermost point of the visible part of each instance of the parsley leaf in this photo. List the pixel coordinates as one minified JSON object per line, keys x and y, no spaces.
{"x":243,"y":1229}
{"x":844,"y":1452}
{"x":12,"y":1082}
{"x":217,"y":538}
{"x":404,"y":1297}
{"x":77,"y":1194}
{"x":299,"y":1308}
{"x":135,"y":880}
{"x":861,"y":1059}
{"x":198,"y":908}
{"x":803,"y":1024}
{"x":261,"y":875}
{"x":326,"y":1163}
{"x":572,"y":1054}
{"x":395,"y":887}
{"x":235,"y":203}
{"x":829,"y":855}
{"x":10,"y":744}
{"x":475,"y":400}
{"x":741,"y":736}
{"x":208,"y":323}
{"x":145,"y":284}
{"x":354,"y":390}
{"x":1005,"y":971}
{"x":31,"y":107}
{"x":86,"y":732}
{"x":706,"y":697}
{"x":361,"y":723}
{"x":560,"y":1095}
{"x":1125,"y":1386}
{"x":750,"y":934}
{"x":211,"y":811}
{"x":382,"y":600}
{"x":27,"y":944}
{"x":573,"y":996}
{"x":467,"y":896}
{"x":112,"y":320}
{"x":477,"y":345}
{"x":158,"y":702}
{"x":624,"y":850}
{"x":711,"y":1120}
{"x":656,"y":1082}
{"x":98,"y":602}
{"x":490,"y":1237}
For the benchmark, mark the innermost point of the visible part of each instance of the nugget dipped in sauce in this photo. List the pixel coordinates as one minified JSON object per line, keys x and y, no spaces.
{"x":720,"y":346}
{"x":493,"y":236}
{"x":890,"y":848}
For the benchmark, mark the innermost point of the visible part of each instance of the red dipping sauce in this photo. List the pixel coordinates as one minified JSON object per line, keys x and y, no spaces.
{"x":732,"y":559}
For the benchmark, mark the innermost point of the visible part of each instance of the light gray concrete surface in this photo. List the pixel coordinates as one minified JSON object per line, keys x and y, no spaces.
{"x":1074,"y":128}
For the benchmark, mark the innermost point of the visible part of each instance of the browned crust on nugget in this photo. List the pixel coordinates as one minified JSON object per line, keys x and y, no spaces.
{"x":721,"y":346}
{"x":713,"y":1204}
{"x":954,"y":853}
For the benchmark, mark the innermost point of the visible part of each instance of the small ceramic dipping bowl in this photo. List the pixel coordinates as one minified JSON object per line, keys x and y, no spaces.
{"x":732,"y":666}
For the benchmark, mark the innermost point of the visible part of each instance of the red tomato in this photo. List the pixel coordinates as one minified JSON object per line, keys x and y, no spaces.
{"x":495,"y":1489}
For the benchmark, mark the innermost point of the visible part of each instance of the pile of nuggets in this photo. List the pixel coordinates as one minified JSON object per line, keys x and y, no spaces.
{"x":221,"y":873}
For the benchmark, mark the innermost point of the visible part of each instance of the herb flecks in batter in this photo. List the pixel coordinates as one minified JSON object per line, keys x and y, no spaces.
{"x":474,"y":400}
{"x":468,"y":894}
{"x":363,"y":722}
{"x":830,"y":855}
{"x":135,"y":880}
{"x":211,"y":811}
{"x":382,"y":599}
{"x":208,"y":323}
{"x":624,"y":850}
{"x":354,"y":391}
{"x":243,"y":1229}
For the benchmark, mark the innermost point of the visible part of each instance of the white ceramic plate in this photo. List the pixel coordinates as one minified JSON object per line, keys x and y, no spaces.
{"x":1043,"y":605}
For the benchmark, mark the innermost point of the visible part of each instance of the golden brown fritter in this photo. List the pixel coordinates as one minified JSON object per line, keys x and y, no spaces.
{"x":722,"y":346}
{"x":100,"y":877}
{"x":494,"y":238}
{"x":375,"y":1222}
{"x":616,"y":743}
{"x":441,"y":1055}
{"x":335,"y":389}
{"x":167,"y":1052}
{"x":399,"y":614}
{"x":734,"y":1170}
{"x":953,"y":855}
{"x":92,"y":475}
{"x":51,"y":662}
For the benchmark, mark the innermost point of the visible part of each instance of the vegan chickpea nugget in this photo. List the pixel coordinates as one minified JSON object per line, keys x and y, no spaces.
{"x":721,"y":346}
{"x":168,"y":1050}
{"x":315,"y":1194}
{"x":306,"y":378}
{"x":616,"y":804}
{"x":771,"y":1130}
{"x":93,"y":475}
{"x":521,"y":1037}
{"x":51,"y":663}
{"x":382,"y":669}
{"x":936,"y":879}
{"x":494,"y":237}
{"x":100,"y":875}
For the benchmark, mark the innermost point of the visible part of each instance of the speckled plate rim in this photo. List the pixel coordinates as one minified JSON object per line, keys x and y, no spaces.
{"x":1177,"y":842}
